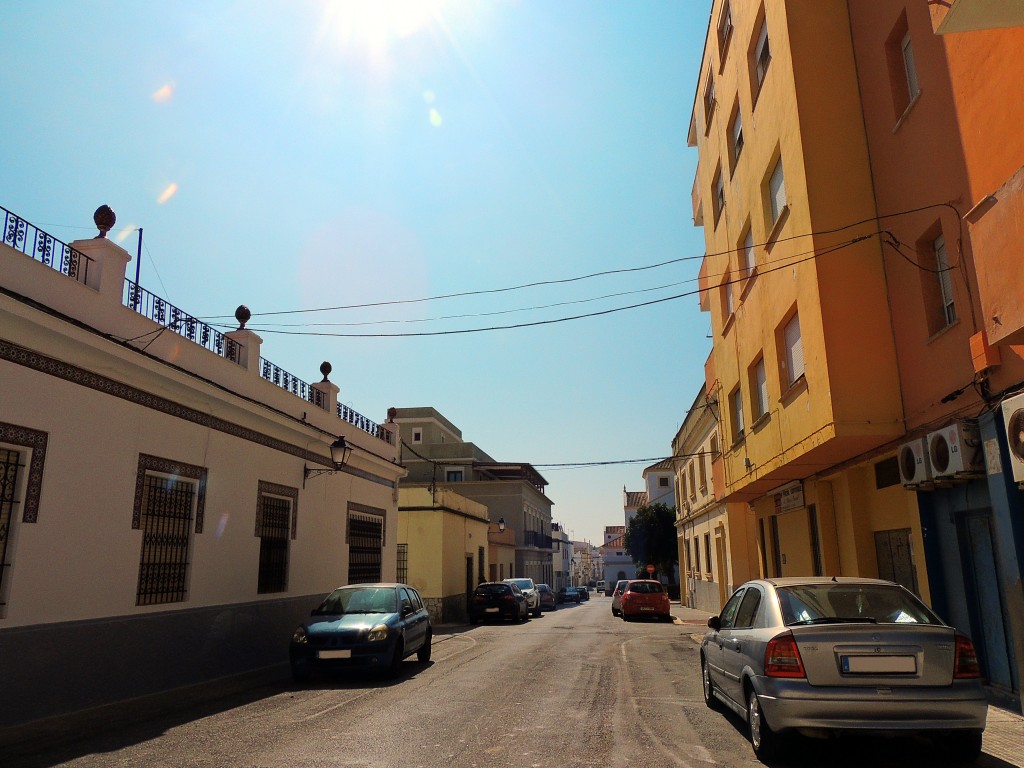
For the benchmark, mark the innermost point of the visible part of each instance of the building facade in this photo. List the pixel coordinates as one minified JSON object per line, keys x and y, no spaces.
{"x":170,"y":506}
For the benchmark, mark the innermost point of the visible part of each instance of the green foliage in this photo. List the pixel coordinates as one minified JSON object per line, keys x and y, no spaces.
{"x":651,"y":538}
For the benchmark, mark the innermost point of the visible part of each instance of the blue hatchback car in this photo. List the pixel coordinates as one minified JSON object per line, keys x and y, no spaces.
{"x":371,"y":626}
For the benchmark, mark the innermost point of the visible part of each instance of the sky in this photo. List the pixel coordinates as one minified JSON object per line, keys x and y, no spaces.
{"x":507,"y":183}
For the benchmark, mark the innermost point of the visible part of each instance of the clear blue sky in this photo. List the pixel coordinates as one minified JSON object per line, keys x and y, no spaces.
{"x":309,"y":154}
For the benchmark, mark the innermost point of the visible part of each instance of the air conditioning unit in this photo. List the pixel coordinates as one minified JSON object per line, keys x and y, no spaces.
{"x":915,"y":470}
{"x":955,"y":451}
{"x":1013,"y":417}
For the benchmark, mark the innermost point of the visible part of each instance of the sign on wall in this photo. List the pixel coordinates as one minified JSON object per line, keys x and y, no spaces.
{"x":789,"y":497}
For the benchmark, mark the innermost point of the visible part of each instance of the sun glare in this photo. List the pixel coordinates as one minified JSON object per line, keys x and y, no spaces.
{"x":375,"y":23}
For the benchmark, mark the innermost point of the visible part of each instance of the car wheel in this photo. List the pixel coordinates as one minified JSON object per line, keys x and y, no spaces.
{"x":300,"y":671}
{"x":960,"y":748}
{"x":762,"y":738}
{"x":709,"y":689}
{"x":536,"y":612}
{"x":423,"y":654}
{"x":395,"y":667}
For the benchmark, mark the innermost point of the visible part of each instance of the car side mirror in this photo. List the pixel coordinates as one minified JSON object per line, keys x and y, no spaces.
{"x":715,"y":623}
{"x":407,"y":609}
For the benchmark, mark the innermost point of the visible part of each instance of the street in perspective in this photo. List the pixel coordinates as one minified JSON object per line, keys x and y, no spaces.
{"x":575,"y":687}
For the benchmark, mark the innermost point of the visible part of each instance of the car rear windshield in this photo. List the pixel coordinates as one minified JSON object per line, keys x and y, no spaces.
{"x":523,"y":583}
{"x":645,"y":587}
{"x":493,"y":589}
{"x":830,"y":603}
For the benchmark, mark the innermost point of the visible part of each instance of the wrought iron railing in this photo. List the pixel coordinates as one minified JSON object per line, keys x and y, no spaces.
{"x":44,"y":247}
{"x":537,"y":539}
{"x":166,"y":314}
{"x":370,"y":427}
{"x":275,"y":374}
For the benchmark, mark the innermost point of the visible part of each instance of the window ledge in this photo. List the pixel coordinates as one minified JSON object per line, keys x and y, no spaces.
{"x":740,"y":438}
{"x":763,"y":419}
{"x":942,"y":331}
{"x":747,"y":282}
{"x":773,"y":233}
{"x":728,"y":323}
{"x":798,"y":386}
{"x":906,"y":112}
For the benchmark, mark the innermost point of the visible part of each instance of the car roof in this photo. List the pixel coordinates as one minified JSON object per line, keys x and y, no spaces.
{"x":792,"y":581}
{"x":377,"y":584}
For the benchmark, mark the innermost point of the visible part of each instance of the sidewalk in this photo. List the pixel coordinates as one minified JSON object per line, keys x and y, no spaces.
{"x":1004,"y":730}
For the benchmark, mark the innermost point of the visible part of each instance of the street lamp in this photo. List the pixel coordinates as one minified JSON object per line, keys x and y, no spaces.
{"x":501,"y":524}
{"x":340,"y":451}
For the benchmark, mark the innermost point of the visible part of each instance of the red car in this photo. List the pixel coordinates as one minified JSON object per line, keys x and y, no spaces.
{"x":643,"y":597}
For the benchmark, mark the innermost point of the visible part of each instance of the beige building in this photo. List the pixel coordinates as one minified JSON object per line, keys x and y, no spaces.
{"x":169,"y":502}
{"x":443,"y":543}
{"x":434,"y":452}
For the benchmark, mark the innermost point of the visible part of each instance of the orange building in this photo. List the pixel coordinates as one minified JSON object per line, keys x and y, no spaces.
{"x":942,"y":113}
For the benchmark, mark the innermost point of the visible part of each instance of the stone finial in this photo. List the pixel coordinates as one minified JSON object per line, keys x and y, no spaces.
{"x":325,"y":369}
{"x":392,"y":412}
{"x":242,"y":315}
{"x":104,"y":219}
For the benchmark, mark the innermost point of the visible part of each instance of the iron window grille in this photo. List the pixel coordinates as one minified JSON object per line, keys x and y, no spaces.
{"x":166,"y":523}
{"x":10,"y":469}
{"x":403,"y":563}
{"x":272,"y":528}
{"x":365,"y":540}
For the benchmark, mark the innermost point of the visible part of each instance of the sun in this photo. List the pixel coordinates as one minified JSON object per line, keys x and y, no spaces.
{"x":374,"y":23}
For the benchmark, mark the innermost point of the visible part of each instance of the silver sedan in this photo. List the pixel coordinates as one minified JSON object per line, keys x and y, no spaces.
{"x":826,"y":655}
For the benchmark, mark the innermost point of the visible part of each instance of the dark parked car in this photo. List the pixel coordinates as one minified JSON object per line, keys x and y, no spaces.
{"x":584,"y":593}
{"x":568,"y":595}
{"x":547,"y":597}
{"x":498,"y":600}
{"x":842,"y":655}
{"x":644,"y":597}
{"x":363,"y":625}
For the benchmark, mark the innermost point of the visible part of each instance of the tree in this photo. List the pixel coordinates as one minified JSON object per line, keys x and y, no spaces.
{"x":651,"y":538}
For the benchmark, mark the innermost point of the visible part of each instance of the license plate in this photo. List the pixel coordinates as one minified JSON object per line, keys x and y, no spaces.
{"x":490,"y":610}
{"x":342,"y":654}
{"x":646,"y":608}
{"x":878,"y":665}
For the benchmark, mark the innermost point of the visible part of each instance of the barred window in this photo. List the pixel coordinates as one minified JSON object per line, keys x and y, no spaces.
{"x":11,"y":464}
{"x":168,"y":505}
{"x":365,"y":538}
{"x":403,"y":563}
{"x":272,"y":528}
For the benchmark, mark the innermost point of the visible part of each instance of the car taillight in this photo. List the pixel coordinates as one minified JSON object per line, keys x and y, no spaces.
{"x":965,"y":662}
{"x":782,"y":657}
{"x":509,"y":598}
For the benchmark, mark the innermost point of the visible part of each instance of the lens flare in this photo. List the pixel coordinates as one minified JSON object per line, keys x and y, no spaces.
{"x":163,"y":94}
{"x":169,"y":191}
{"x":435,"y":118}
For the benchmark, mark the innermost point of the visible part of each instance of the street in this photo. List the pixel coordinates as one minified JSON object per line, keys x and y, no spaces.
{"x":575,"y":687}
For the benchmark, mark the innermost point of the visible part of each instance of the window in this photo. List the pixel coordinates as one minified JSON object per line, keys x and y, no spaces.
{"x":945,"y":283}
{"x":776,"y":193}
{"x":169,"y":496}
{"x":693,"y":480}
{"x":365,"y":538}
{"x":728,"y":298}
{"x":417,"y":435}
{"x":481,"y":563}
{"x":748,"y":609}
{"x":735,"y":138}
{"x":718,"y":200}
{"x":11,"y":476}
{"x":762,"y":56}
{"x":686,"y":556}
{"x":275,"y":524}
{"x":402,"y":573}
{"x":709,"y":101}
{"x":707,"y":553}
{"x":736,"y":411}
{"x":703,"y":473}
{"x":758,"y":390}
{"x":747,"y":255}
{"x":724,"y":30}
{"x":793,"y":351}
{"x":907,"y":52}
{"x":714,"y":447}
{"x":453,"y":475}
{"x":696,"y":555}
{"x":663,"y":482}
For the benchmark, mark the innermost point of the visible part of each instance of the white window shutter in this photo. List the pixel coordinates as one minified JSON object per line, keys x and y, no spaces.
{"x":794,"y":349}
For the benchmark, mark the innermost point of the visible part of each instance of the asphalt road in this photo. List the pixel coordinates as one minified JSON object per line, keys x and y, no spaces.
{"x":576,"y":687}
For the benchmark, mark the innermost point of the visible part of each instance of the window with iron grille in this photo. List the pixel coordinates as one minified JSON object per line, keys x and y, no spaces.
{"x":365,"y":539}
{"x":403,"y":563}
{"x":169,"y":496}
{"x":273,"y":526}
{"x":11,"y":465}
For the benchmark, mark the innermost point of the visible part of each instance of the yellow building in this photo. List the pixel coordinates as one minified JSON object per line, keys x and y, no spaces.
{"x":442,"y":544}
{"x":806,"y":381}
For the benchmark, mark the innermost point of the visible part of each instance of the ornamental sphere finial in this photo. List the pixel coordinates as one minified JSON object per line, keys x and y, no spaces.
{"x":242,"y":315}
{"x":104,"y":219}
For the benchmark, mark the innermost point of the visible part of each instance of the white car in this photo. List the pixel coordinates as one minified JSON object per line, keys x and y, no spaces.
{"x":532,"y":596}
{"x":620,"y":587}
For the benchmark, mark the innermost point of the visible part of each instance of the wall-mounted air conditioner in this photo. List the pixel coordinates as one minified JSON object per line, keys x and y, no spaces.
{"x":1013,"y":417}
{"x":955,"y":451}
{"x":914,"y":467}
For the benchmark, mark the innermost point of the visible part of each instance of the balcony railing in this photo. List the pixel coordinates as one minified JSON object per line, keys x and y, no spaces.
{"x":166,"y":314}
{"x":43,"y":247}
{"x":537,"y":539}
